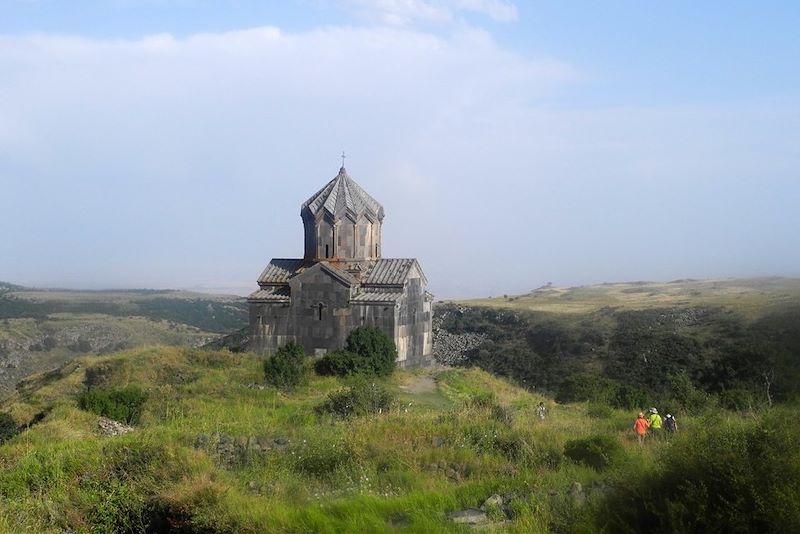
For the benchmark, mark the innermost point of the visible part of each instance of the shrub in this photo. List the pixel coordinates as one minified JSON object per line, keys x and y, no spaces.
{"x":368,"y":351}
{"x":629,"y":397}
{"x":503,"y":414}
{"x":686,"y":394}
{"x":361,"y":398}
{"x":120,"y":404}
{"x":597,"y":452}
{"x":286,"y":368}
{"x":599,"y":411}
{"x":582,"y":387}
{"x":320,"y":457}
{"x":8,"y":427}
{"x":342,"y":363}
{"x":482,"y":399}
{"x":739,"y":477}
{"x":739,"y":399}
{"x":372,"y":343}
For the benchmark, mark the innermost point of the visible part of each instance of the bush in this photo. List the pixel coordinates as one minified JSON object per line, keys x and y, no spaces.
{"x":373,"y":343}
{"x":738,"y":399}
{"x":342,"y":363}
{"x":597,"y":452}
{"x":628,"y":397}
{"x":368,"y":351}
{"x":321,"y":457}
{"x":599,"y":411}
{"x":743,"y":476}
{"x":8,"y":427}
{"x":582,"y":387}
{"x":286,"y":368}
{"x":689,"y":397}
{"x":119,"y":404}
{"x":361,"y":398}
{"x":482,"y":399}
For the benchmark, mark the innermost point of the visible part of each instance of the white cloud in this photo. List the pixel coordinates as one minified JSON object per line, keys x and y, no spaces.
{"x":409,"y":12}
{"x":170,"y":161}
{"x":142,"y":153}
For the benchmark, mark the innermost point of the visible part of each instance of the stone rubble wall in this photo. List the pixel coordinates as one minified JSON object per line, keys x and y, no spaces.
{"x":449,"y":348}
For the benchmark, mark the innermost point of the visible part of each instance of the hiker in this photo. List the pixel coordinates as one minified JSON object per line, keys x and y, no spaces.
{"x":541,"y":410}
{"x":640,"y":426}
{"x":670,"y":424}
{"x":655,"y":423}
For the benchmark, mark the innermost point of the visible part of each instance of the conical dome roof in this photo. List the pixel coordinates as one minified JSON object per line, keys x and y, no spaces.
{"x":342,"y":196}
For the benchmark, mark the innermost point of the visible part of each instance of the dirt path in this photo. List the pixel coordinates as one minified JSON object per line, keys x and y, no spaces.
{"x":420,"y":384}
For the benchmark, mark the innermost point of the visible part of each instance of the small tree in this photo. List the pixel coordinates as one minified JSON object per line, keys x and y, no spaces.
{"x":372,"y":343}
{"x":286,"y":368}
{"x":368,"y":351}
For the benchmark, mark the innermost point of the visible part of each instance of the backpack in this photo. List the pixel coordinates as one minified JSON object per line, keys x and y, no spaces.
{"x":669,"y":424}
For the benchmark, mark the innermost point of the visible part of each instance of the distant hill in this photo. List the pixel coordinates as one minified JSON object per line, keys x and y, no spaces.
{"x":737,"y":339}
{"x":43,"y":328}
{"x":5,"y":286}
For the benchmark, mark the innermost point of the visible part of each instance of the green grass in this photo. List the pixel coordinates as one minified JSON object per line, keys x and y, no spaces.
{"x":111,"y":333}
{"x":455,"y":438}
{"x":749,"y":297}
{"x":724,"y":335}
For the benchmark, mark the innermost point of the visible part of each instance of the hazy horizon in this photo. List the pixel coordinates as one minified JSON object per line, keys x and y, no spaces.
{"x":156,"y":145}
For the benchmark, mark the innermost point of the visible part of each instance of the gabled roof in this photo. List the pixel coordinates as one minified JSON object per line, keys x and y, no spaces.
{"x":390,"y":271}
{"x":377,"y":297}
{"x":343,"y":276}
{"x":272,"y":294}
{"x":280,"y":270}
{"x":342,"y":196}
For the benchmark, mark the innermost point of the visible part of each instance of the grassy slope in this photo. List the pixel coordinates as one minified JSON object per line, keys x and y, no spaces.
{"x":750,"y":298}
{"x":120,"y":332}
{"x":437,"y":452}
{"x":638,"y":333}
{"x":212,"y":313}
{"x":442,"y":449}
{"x":42,"y":329}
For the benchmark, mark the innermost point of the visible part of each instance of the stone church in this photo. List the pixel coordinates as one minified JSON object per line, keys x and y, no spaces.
{"x":342,"y":282}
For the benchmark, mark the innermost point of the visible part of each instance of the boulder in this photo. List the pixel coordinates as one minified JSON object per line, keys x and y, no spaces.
{"x":495,"y":501}
{"x":470,"y":516}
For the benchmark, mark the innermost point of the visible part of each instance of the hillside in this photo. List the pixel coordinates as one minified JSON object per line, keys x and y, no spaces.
{"x":737,"y":339}
{"x":216,"y":451}
{"x":42,"y":329}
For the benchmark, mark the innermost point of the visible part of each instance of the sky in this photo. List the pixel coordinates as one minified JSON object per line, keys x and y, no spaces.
{"x":170,"y":143}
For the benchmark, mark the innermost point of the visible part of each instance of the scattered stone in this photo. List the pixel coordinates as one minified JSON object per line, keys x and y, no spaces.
{"x":235,"y":451}
{"x":470,"y":516}
{"x":495,"y":501}
{"x":438,"y":441}
{"x":577,"y":494}
{"x":109,"y":427}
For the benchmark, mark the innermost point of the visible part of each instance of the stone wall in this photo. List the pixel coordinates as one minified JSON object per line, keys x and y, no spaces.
{"x":322,"y":329}
{"x":343,"y":239}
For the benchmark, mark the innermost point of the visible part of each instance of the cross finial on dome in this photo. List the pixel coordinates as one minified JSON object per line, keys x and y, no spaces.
{"x":343,"y":156}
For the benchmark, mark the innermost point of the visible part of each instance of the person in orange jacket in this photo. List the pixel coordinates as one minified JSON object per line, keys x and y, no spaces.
{"x":640,"y":426}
